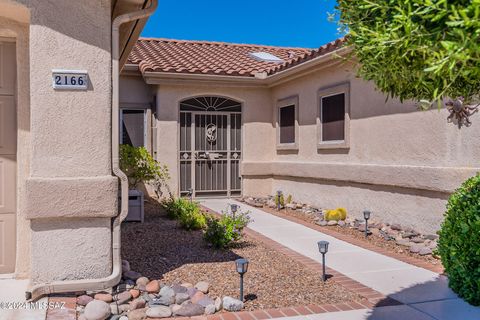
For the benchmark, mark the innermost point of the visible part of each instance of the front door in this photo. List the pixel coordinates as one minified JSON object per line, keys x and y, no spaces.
{"x":8,"y":158}
{"x":210,"y":147}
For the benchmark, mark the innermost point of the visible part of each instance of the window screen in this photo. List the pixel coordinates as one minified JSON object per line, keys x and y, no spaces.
{"x":287,"y":124}
{"x":333,"y":117}
{"x":133,"y":128}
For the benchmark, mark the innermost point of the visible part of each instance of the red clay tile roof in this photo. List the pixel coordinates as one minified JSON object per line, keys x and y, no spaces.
{"x":217,"y":58}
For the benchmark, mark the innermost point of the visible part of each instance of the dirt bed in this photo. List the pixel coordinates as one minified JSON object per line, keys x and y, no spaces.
{"x":358,"y":236}
{"x":159,"y":249}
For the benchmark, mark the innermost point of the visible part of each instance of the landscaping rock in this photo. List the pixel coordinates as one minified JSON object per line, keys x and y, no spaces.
{"x":191,"y":291}
{"x":415,"y":248}
{"x":190,"y":310}
{"x":167,"y":297}
{"x":125,"y":266}
{"x":322,"y":223}
{"x":119,"y":308}
{"x":142,"y":281}
{"x":409,"y":234}
{"x":137,"y":304}
{"x":97,"y":310}
{"x":159,"y":312}
{"x":291,"y":206}
{"x":181,"y":297}
{"x":433,"y":245}
{"x":132,"y":275}
{"x":187,"y":285}
{"x":232,"y":304}
{"x":175,"y":308}
{"x":417,"y":240}
{"x":105,"y":297}
{"x":202,"y":286}
{"x":83,"y":300}
{"x":153,"y":286}
{"x":138,"y":314}
{"x":218,"y":304}
{"x":135,"y":293}
{"x":332,"y":223}
{"x":179,"y":289}
{"x":341,"y":223}
{"x":199,"y":295}
{"x":122,"y":297}
{"x":210,"y":309}
{"x":425,"y":251}
{"x":430,"y":236}
{"x":403,"y":242}
{"x":205,"y":301}
{"x":396,"y":227}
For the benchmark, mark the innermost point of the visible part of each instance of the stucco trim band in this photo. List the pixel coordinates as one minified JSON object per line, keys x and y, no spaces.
{"x":71,"y":197}
{"x":440,"y":179}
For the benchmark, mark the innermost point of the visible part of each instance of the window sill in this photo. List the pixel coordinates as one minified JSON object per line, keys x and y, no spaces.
{"x":287,"y":146}
{"x":333,"y":145}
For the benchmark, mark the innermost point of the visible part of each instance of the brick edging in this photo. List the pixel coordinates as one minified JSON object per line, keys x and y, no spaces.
{"x":407,"y":259}
{"x":372,"y":296}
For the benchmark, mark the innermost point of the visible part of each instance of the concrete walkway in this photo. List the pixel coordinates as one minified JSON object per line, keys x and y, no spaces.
{"x":12,"y":299}
{"x":424,"y":293}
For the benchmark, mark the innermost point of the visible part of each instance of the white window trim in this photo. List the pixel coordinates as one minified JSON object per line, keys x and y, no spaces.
{"x":144,"y":124}
{"x":285,"y":102}
{"x":326,"y":92}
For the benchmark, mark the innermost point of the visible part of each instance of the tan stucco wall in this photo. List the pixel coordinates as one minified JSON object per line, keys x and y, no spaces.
{"x":258,"y":135}
{"x":64,"y":150}
{"x":401,"y":163}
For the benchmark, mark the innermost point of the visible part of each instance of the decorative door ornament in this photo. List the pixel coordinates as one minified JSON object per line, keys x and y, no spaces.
{"x":211,"y":132}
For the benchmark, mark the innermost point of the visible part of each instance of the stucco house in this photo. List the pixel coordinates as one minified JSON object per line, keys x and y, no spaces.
{"x":59,"y":186}
{"x":227,"y":119}
{"x":238,"y":119}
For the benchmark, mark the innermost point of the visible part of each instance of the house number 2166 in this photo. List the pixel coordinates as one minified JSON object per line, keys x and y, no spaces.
{"x":73,"y":80}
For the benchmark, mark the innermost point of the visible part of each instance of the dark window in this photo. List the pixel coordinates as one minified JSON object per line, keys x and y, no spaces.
{"x":287,"y":124}
{"x":133,"y":128}
{"x":333,"y":117}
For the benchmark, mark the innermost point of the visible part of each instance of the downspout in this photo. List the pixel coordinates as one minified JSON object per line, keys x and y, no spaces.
{"x":113,"y":279}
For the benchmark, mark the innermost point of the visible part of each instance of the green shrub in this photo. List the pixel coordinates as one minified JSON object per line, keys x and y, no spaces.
{"x":459,"y":241}
{"x":139,"y":166}
{"x":223,"y":231}
{"x":188,"y":213}
{"x":289,"y":198}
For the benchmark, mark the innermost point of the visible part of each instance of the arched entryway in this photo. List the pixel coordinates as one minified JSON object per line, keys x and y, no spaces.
{"x":210,"y":146}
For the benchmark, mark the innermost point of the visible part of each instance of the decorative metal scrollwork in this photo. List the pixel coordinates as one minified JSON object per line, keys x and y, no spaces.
{"x":211,"y":132}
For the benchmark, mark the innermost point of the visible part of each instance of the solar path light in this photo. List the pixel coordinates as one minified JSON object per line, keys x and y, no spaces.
{"x":234,"y":208}
{"x":323,"y":248}
{"x":279,"y":196}
{"x":366,"y":215}
{"x":242,"y":268}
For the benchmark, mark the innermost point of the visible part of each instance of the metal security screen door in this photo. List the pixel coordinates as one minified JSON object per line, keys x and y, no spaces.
{"x":210,"y":146}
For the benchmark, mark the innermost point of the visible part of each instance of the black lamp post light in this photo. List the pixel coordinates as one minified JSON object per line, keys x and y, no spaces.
{"x":234,"y":208}
{"x":323,"y":248}
{"x":190,"y":194}
{"x":366,"y":216}
{"x":279,"y":202}
{"x":242,"y":268}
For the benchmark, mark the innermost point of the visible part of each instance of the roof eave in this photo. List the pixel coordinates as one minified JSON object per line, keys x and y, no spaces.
{"x":152,"y":77}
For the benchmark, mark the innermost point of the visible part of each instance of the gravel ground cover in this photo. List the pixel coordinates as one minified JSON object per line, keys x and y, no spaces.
{"x":159,"y":249}
{"x":357,"y":235}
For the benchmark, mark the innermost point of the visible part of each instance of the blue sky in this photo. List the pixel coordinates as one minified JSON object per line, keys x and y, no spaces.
{"x":295,"y":23}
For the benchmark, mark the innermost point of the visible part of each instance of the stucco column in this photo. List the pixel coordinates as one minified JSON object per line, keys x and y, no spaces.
{"x":71,"y":193}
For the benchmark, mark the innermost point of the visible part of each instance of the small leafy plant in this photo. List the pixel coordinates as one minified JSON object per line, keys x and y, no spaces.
{"x":221,"y":233}
{"x":139,"y":166}
{"x":459,"y":241}
{"x":189,"y":214}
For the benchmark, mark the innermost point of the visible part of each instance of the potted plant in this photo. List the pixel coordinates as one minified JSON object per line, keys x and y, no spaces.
{"x":140,"y":167}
